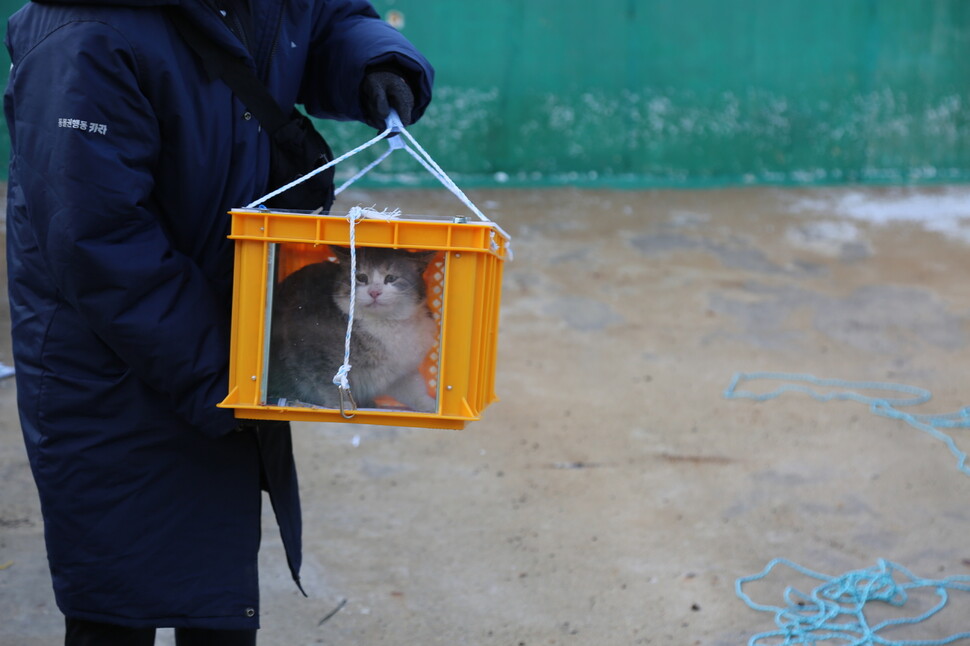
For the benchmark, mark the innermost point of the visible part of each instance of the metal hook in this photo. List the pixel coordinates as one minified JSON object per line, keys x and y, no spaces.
{"x":345,"y":396}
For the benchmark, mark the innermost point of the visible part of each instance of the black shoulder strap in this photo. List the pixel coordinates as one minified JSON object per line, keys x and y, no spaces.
{"x":241,"y":78}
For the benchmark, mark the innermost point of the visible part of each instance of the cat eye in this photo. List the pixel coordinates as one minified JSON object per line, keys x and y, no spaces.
{"x":361,"y":278}
{"x":390,"y":278}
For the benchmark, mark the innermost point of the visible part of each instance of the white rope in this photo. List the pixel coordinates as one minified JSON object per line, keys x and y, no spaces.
{"x":393,"y":143}
{"x":333,"y":162}
{"x":394,"y":125}
{"x":356,"y":213}
{"x":432,"y":166}
{"x":340,"y":378}
{"x":363,"y":171}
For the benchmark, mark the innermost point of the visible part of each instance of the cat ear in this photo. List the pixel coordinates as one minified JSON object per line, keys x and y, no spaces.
{"x":423,"y":257}
{"x":342,"y":253}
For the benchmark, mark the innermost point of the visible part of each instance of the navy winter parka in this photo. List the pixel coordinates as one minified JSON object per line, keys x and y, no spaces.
{"x":125,"y":159}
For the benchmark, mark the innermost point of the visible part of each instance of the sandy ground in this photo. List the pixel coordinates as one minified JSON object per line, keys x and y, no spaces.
{"x":614,"y":495}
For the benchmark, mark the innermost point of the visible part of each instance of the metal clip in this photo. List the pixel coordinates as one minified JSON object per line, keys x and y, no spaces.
{"x":347,"y":396}
{"x":394,"y":123}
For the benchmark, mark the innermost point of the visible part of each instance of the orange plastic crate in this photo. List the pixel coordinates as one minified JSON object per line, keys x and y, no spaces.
{"x":271,"y":244}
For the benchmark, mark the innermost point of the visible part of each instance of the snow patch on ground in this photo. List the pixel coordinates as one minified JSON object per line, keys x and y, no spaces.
{"x":945,"y":211}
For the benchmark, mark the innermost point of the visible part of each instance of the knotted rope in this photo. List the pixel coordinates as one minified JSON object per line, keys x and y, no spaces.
{"x":835,"y":611}
{"x":340,"y":379}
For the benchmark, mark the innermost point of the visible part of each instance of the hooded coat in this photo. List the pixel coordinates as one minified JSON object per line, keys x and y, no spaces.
{"x":125,"y":159}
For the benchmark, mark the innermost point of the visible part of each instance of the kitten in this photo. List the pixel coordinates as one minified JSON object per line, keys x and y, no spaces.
{"x":393,"y":330}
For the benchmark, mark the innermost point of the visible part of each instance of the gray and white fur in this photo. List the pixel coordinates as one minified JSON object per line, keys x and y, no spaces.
{"x":393,"y":330}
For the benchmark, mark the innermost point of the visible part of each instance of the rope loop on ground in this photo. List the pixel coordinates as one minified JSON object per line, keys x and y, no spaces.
{"x":847,"y":391}
{"x":836,"y":610}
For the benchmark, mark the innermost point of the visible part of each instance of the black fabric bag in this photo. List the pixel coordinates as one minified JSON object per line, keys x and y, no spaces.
{"x":296,"y":147}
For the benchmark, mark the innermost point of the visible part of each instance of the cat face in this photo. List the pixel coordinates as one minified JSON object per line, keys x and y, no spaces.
{"x":388,"y":283}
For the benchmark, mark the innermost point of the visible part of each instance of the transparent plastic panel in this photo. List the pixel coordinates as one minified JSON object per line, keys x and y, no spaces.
{"x":394,"y":345}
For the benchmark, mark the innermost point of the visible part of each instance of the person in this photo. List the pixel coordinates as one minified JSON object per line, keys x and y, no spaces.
{"x":125,"y":158}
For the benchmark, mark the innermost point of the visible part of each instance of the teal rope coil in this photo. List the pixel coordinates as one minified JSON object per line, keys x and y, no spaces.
{"x":882,"y":406}
{"x":835,"y":611}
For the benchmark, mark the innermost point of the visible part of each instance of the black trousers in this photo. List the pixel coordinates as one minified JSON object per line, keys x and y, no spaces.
{"x":90,"y":633}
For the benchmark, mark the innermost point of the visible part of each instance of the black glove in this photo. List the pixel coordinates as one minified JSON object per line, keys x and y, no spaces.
{"x":382,"y":90}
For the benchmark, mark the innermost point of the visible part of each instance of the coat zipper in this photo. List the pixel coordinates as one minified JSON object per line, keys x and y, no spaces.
{"x":264,"y":68}
{"x":238,"y":28}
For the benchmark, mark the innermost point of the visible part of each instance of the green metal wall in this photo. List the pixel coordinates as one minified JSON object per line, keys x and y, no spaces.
{"x":7,"y":7}
{"x":689,"y":92}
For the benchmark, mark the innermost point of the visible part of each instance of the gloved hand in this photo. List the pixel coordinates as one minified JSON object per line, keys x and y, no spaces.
{"x":381,"y":90}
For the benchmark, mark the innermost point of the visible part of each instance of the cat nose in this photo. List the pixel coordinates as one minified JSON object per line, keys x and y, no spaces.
{"x":374,"y":292}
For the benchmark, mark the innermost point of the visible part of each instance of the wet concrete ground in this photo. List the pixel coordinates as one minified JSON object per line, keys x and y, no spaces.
{"x":615,"y":495}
